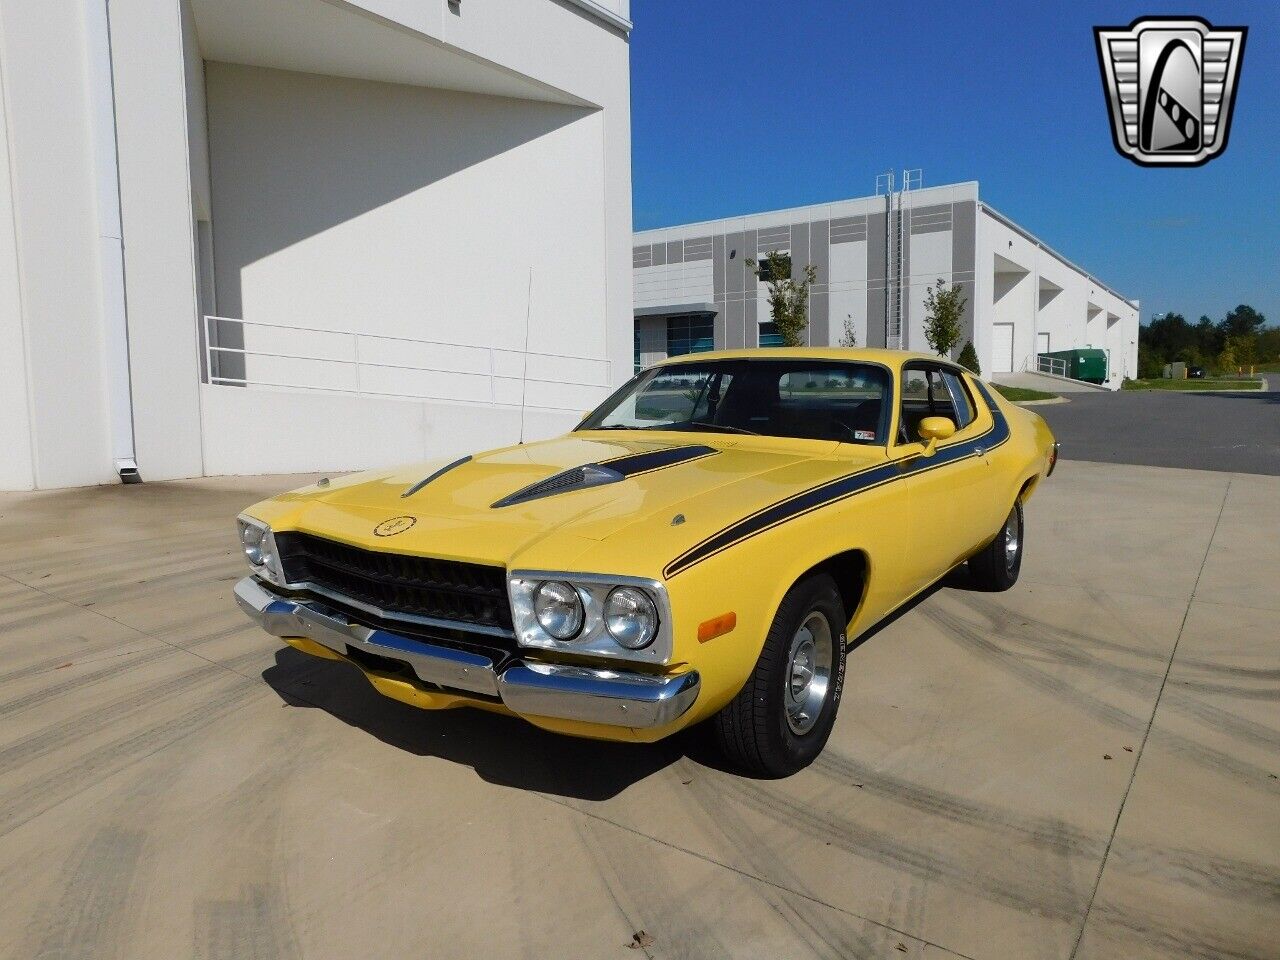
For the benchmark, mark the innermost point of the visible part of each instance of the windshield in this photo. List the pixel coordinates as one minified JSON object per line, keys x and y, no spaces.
{"x":806,"y":399}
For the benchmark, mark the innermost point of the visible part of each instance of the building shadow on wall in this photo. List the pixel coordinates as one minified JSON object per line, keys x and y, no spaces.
{"x":293,"y":155}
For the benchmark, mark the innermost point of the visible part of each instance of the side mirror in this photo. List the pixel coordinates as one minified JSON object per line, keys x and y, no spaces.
{"x":933,"y":429}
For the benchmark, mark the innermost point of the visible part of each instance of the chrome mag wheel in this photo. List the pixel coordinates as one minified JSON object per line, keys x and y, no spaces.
{"x":1012,"y":540}
{"x":808,"y":674}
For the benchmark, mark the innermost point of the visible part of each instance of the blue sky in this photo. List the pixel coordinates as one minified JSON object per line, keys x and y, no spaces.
{"x":746,"y":106}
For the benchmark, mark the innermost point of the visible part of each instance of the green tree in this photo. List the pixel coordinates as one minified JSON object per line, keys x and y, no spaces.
{"x":1244,"y":349}
{"x":943,"y":311}
{"x":788,"y":295}
{"x":850,"y":338}
{"x":969,"y":358}
{"x":1243,"y":321}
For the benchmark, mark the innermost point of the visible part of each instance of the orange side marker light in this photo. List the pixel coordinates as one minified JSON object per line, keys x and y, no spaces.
{"x":717,"y":626}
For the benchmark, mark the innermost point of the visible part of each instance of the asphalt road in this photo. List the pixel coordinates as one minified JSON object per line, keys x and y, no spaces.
{"x":1229,"y":432}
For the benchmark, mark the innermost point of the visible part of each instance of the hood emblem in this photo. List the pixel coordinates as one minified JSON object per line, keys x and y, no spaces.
{"x":389,"y":528}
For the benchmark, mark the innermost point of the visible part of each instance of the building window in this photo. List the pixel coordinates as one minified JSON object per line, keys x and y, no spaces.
{"x":689,"y":335}
{"x":637,"y":356}
{"x":769,"y":335}
{"x":765,"y":263}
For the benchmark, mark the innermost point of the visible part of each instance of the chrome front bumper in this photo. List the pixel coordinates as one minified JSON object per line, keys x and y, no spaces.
{"x":612,"y":697}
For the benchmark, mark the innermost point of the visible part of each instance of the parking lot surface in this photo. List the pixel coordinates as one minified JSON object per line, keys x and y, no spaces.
{"x":1160,"y":428}
{"x":1085,"y":766}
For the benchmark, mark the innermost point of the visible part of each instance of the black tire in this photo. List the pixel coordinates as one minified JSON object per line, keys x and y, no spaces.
{"x":996,"y":566}
{"x":756,"y":731}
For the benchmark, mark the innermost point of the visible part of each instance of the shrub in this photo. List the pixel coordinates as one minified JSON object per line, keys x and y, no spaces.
{"x":969,"y":358}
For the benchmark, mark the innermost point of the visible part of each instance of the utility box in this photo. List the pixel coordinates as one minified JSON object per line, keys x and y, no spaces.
{"x":1088,"y":364}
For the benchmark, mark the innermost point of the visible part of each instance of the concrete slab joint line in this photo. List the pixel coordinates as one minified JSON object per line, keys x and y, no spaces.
{"x":1146,"y":734}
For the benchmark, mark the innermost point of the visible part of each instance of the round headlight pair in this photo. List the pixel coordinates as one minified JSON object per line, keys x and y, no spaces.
{"x":630,"y":616}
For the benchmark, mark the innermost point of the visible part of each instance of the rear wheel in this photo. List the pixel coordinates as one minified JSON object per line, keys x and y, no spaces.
{"x":996,"y":566}
{"x":781,"y":719}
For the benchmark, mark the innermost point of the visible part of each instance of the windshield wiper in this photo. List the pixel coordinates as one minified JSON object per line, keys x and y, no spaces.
{"x":722,"y":426}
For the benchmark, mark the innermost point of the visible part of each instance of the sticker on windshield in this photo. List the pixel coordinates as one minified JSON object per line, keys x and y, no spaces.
{"x":864,"y":434}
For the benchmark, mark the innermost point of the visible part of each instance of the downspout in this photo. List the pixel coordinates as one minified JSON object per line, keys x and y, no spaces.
{"x":101,"y":94}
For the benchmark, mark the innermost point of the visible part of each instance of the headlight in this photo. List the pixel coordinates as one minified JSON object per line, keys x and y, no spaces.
{"x":592,"y":614}
{"x":558,"y":609}
{"x":630,"y":617}
{"x":259,"y":546}
{"x":251,"y":538}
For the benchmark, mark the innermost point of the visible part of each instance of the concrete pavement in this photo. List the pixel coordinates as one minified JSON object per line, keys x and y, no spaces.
{"x":1083,"y":767}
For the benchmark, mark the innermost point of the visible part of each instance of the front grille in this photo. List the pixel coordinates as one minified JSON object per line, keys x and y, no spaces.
{"x":395,"y":583}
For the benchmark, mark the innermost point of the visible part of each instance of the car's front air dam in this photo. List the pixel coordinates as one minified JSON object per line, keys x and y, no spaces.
{"x":609,"y":703}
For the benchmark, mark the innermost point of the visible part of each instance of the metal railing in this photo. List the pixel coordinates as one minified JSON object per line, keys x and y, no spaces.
{"x":1053,"y":365}
{"x":367,"y":365}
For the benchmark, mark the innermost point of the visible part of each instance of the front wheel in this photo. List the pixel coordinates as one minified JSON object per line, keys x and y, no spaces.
{"x":781,"y":719}
{"x":996,"y":566}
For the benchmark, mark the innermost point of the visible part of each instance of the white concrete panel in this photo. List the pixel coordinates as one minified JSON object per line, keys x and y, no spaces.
{"x":17,"y":469}
{"x":159,"y":229}
{"x":930,"y":261}
{"x":56,"y":234}
{"x":268,"y":431}
{"x":457,"y":198}
{"x":848,"y":290}
{"x":674,"y":283}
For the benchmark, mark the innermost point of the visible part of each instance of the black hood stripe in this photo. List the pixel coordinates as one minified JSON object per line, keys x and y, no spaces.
{"x":634,"y":464}
{"x":435,"y":476}
{"x":604,"y":472}
{"x":842,"y":488}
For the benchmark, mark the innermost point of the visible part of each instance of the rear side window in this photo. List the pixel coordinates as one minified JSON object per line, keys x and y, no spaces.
{"x":960,"y":399}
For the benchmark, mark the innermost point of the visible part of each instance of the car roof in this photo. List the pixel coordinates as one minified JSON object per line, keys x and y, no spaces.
{"x":889,"y":358}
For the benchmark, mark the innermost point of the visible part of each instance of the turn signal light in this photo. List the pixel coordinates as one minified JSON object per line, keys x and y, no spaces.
{"x":717,"y":626}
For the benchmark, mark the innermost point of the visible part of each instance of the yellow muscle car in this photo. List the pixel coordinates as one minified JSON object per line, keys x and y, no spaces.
{"x":700,"y":548}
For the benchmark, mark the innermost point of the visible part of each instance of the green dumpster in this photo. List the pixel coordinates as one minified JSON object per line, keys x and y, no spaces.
{"x":1089,"y":364}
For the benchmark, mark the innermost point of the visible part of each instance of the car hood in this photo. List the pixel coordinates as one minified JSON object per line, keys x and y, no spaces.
{"x":547,"y":503}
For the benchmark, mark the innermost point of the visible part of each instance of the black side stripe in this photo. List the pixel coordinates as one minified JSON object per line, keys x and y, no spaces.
{"x":842,"y":488}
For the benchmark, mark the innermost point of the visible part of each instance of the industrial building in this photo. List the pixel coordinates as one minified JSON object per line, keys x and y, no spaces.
{"x":875,"y":258}
{"x":248,"y":237}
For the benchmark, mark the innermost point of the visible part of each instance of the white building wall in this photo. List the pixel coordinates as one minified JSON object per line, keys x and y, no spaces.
{"x":1084,"y":313}
{"x":156,"y":204}
{"x":53,"y":344}
{"x":848,"y":288}
{"x":542,"y":181}
{"x":17,"y":468}
{"x":484,"y":215}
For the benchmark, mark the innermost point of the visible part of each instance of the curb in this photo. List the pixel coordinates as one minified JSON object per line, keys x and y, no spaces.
{"x":1039,"y":403}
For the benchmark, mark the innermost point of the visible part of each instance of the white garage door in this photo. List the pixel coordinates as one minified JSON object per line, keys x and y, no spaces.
{"x":1002,"y":348}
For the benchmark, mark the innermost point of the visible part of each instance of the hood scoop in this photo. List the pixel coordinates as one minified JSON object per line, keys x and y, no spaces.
{"x":608,"y":471}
